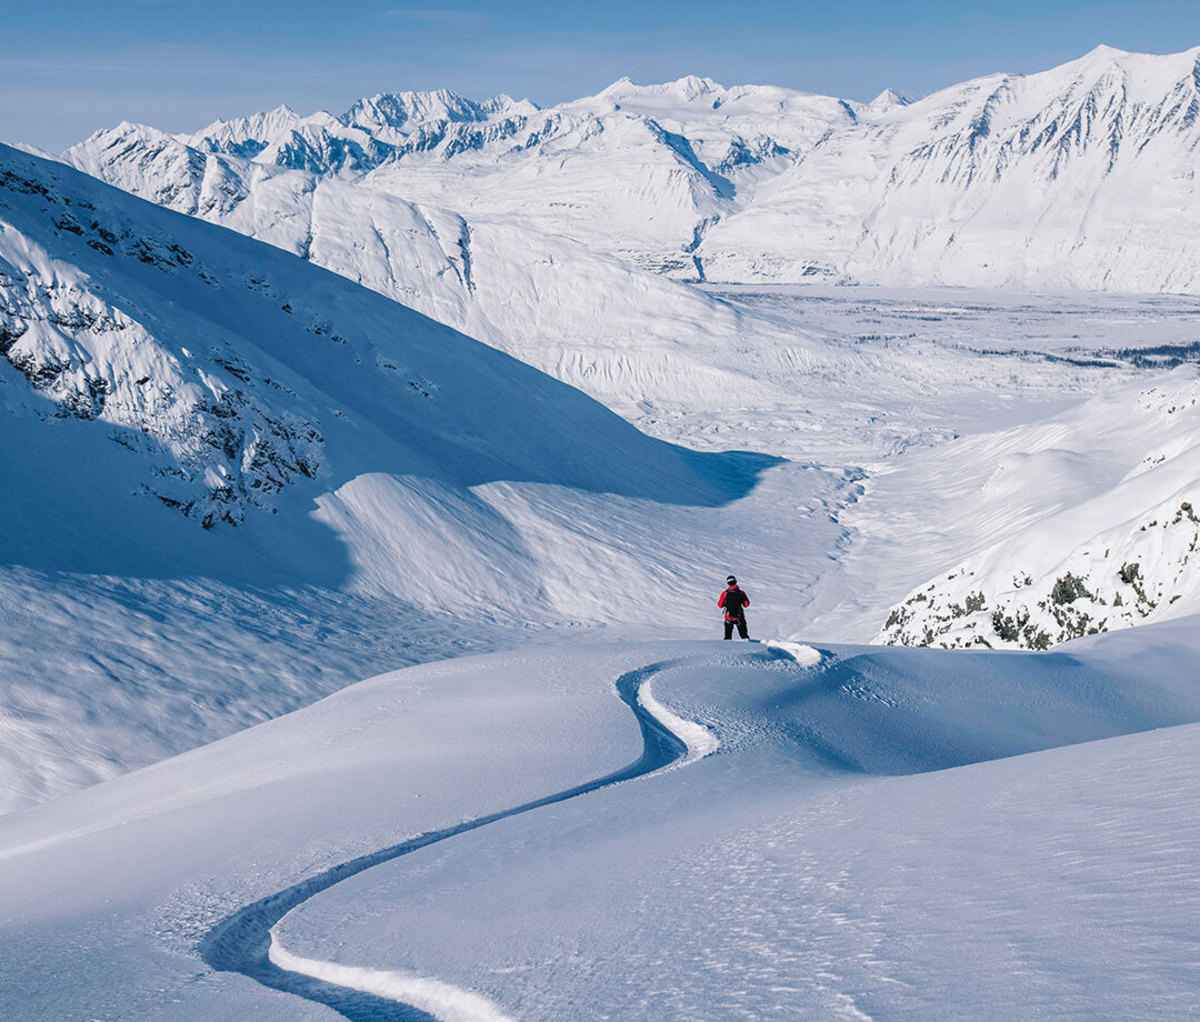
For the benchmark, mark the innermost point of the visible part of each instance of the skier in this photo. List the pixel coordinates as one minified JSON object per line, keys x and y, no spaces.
{"x":734,"y":602}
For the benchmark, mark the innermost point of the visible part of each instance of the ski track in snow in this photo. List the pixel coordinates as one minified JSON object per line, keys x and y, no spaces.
{"x":244,"y":942}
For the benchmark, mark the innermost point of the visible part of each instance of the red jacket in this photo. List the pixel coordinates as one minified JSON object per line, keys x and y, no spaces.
{"x":733,"y":610}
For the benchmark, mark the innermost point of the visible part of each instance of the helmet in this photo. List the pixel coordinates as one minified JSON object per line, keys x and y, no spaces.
{"x":731,"y":581}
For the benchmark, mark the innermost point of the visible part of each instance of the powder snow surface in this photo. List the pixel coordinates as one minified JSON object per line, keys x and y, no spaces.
{"x":880,"y":834}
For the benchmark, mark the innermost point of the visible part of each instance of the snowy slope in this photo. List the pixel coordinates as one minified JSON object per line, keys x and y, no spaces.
{"x":1085,"y":523}
{"x":237,"y":481}
{"x":104,"y":303}
{"x":1080,"y":176}
{"x":863,"y":844}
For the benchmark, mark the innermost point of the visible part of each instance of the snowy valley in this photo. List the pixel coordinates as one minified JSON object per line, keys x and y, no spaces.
{"x":480,"y":402}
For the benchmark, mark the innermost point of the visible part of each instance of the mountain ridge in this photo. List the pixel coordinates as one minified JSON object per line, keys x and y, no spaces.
{"x":1075,"y":177}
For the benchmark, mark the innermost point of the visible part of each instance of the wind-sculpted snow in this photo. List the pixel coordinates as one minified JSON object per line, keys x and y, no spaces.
{"x":758,"y":919}
{"x":529,"y":724}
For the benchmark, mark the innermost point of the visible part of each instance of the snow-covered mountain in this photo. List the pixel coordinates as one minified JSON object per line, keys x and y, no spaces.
{"x":269,"y":468}
{"x":195,"y":416}
{"x":1085,"y":523}
{"x":646,"y":346}
{"x":228,"y":381}
{"x":235,"y":481}
{"x":1080,"y":176}
{"x":639,"y":171}
{"x":372,"y":131}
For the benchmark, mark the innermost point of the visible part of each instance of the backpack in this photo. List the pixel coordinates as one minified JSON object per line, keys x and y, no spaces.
{"x":735,"y":599}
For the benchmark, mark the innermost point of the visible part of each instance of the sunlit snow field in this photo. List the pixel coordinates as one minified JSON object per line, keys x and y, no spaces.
{"x":849,"y":840}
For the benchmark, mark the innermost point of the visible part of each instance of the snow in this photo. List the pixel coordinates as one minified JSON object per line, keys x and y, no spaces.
{"x":700,"y":741}
{"x":395,"y":550}
{"x":271,"y":457}
{"x":1100,"y":526}
{"x":440,"y":1000}
{"x":240,"y":474}
{"x":1076,"y":177}
{"x":864,"y":837}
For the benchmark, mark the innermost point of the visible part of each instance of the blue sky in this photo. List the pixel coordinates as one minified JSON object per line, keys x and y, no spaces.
{"x":70,"y":67}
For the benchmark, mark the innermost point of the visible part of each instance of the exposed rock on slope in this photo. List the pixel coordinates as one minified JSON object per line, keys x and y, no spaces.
{"x":214,"y":437}
{"x":1124,"y":554}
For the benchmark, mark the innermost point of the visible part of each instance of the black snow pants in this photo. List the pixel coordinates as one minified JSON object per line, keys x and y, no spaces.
{"x":741,"y":627}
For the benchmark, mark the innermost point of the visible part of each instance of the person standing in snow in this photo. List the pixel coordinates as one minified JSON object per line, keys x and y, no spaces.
{"x":734,"y":602}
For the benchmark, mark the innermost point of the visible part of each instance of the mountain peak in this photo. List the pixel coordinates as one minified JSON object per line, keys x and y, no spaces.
{"x":399,"y":110}
{"x":694,"y":85}
{"x":124,"y":133}
{"x":1106,"y":52}
{"x":1145,"y":62}
{"x":887,"y":100}
{"x":255,"y":129}
{"x":689,"y":87}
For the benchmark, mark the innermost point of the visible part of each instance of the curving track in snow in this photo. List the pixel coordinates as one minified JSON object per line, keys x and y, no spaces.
{"x":244,"y":943}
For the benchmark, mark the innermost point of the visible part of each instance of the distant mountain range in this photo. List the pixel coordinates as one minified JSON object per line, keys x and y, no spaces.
{"x":1082,"y":176}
